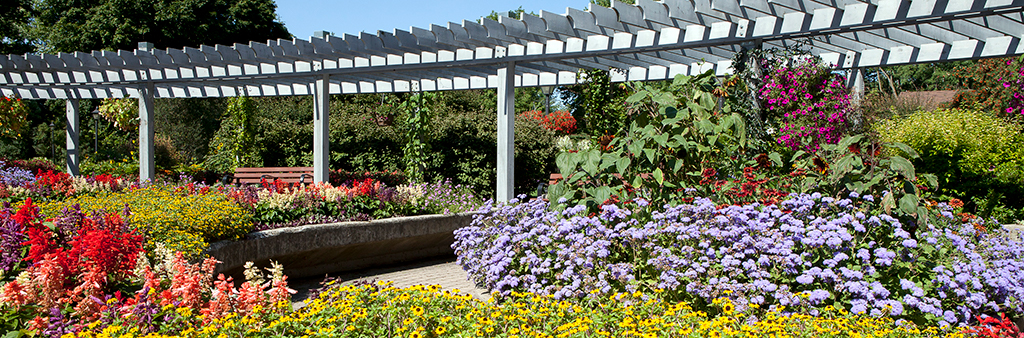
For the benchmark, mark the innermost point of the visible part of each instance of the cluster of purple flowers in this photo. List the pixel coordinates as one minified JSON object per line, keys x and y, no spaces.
{"x":807,"y":252}
{"x":11,"y":239}
{"x":14,"y":176}
{"x":443,"y":197}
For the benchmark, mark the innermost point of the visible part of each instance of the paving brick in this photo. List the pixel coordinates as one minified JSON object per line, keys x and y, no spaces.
{"x":443,"y":272}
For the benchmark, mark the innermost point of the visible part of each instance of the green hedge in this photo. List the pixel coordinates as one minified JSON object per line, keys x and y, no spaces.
{"x":971,"y":152}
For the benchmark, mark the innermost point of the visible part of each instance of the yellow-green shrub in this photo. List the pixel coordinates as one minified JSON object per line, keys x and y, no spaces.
{"x":183,"y":222}
{"x":980,"y":143}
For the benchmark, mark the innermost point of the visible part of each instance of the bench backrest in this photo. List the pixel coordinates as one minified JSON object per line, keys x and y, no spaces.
{"x":285,"y":174}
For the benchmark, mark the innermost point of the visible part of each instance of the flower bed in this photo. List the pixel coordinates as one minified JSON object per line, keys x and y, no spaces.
{"x":378,"y":310}
{"x":188,"y":216}
{"x":806,"y":253}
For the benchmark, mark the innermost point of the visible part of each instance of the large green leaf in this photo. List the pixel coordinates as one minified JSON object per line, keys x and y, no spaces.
{"x":776,"y":158}
{"x":906,"y":149}
{"x":665,"y":99}
{"x":659,"y":176}
{"x":708,"y":101}
{"x":662,"y":140}
{"x":638,"y":96}
{"x":650,"y":155}
{"x":564,"y":163}
{"x":908,"y":203}
{"x":622,"y":164}
{"x":601,"y":194}
{"x":844,"y":165}
{"x":556,"y":190}
{"x":903,"y":166}
{"x":671,"y":115}
{"x":849,"y":140}
{"x":888,"y":202}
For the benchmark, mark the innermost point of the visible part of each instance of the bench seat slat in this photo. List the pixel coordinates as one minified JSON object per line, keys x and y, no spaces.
{"x":285,"y":174}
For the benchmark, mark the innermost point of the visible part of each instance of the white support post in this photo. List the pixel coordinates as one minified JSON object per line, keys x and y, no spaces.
{"x":856,"y":85}
{"x":147,"y":165}
{"x":321,"y":129}
{"x":72,"y":126}
{"x":506,"y":132}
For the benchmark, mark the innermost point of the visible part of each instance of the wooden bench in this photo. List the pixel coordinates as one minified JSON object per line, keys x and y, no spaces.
{"x":301,"y":175}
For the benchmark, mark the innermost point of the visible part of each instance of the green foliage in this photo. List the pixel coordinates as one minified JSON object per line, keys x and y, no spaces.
{"x":979,"y":143}
{"x":856,"y":164}
{"x":188,"y":124}
{"x":122,"y":168}
{"x":14,"y":16}
{"x":237,"y":143}
{"x":972,"y":152}
{"x":13,"y":117}
{"x":67,"y":26}
{"x":364,"y":134}
{"x":597,"y":103}
{"x":416,"y":143}
{"x":919,"y":77}
{"x":124,"y":113}
{"x":513,"y":13}
{"x":241,"y":115}
{"x":608,"y":3}
{"x":678,"y":132}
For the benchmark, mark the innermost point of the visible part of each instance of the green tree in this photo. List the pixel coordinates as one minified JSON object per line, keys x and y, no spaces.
{"x":83,"y":25}
{"x":608,"y":3}
{"x":597,"y":103}
{"x":14,"y":16}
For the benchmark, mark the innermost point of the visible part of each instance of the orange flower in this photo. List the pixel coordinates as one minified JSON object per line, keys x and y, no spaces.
{"x":956,"y":203}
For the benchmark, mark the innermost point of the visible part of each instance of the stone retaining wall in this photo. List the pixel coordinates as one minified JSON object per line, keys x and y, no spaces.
{"x":319,"y":249}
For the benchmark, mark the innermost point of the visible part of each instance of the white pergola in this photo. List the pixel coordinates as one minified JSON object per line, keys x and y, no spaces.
{"x":652,"y":40}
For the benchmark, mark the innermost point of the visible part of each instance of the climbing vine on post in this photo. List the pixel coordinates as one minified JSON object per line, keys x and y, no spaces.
{"x":416,"y":144}
{"x":246,"y":151}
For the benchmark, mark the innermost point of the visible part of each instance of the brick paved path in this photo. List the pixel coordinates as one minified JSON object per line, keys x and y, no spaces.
{"x":441,"y":271}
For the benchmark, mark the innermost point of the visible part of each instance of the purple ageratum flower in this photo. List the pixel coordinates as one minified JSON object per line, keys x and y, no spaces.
{"x":700,"y":250}
{"x":15,"y":177}
{"x":909,"y":243}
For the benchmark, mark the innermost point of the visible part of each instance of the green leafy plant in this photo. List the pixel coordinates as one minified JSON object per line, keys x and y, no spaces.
{"x":597,"y":104}
{"x":857,"y":164}
{"x":417,"y":124}
{"x":13,"y":116}
{"x":124,"y":113}
{"x":676,"y":133}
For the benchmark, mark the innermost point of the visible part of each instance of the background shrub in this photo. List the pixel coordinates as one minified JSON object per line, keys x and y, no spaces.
{"x":973,"y":153}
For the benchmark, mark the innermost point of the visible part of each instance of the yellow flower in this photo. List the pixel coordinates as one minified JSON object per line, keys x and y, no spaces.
{"x":728,"y":308}
{"x":439,"y":330}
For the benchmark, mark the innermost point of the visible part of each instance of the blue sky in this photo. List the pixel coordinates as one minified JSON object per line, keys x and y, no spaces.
{"x":303,"y":17}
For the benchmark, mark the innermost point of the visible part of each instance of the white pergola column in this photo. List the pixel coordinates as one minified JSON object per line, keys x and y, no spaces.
{"x":321,"y":129}
{"x":856,"y":86}
{"x":506,"y":131}
{"x":72,"y":126}
{"x":147,"y":165}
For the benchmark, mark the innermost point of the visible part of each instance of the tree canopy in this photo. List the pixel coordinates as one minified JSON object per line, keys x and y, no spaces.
{"x":14,"y":15}
{"x":83,"y":25}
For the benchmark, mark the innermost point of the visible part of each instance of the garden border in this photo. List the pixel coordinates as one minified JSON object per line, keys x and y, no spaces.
{"x":320,"y":249}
